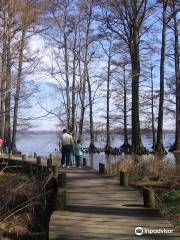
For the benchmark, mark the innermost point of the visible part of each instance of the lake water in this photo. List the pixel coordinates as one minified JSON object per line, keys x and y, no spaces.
{"x":47,"y":142}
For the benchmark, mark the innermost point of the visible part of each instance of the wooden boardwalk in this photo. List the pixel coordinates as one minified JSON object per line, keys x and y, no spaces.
{"x":99,"y":208}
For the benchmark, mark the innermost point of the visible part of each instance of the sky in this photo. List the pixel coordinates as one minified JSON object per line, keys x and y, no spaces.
{"x":46,"y":97}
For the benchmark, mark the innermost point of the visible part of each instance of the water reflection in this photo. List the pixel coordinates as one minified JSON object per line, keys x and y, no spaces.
{"x":95,"y":158}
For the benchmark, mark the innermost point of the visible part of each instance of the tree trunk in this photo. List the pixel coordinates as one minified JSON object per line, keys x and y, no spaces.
{"x":81,"y":123}
{"x":159,"y":146}
{"x":3,"y":109}
{"x":152,"y":109}
{"x":67,"y":82}
{"x":177,"y":73}
{"x":73,"y":108}
{"x":17,"y":94}
{"x":108,"y":140}
{"x":82,"y":95}
{"x":7,"y":134}
{"x":3,"y":78}
{"x":137,"y":146}
{"x":83,"y":79}
{"x":125,"y":111}
{"x":92,"y":139}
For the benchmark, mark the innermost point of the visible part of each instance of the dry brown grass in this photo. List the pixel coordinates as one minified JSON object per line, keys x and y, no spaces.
{"x":144,"y":166}
{"x":21,"y":196}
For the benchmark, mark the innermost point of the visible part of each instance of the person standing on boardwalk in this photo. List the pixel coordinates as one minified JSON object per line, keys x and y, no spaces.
{"x":5,"y":146}
{"x":78,"y":150}
{"x":1,"y":144}
{"x":66,"y":145}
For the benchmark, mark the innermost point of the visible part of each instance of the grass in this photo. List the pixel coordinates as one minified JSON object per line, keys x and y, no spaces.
{"x":134,"y":178}
{"x":171,"y":200}
{"x":144,"y":167}
{"x":16,"y":224}
{"x":2,"y":180}
{"x":170,"y":206}
{"x":20,"y":197}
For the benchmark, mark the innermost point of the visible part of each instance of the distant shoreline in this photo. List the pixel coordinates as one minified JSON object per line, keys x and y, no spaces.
{"x":113,"y":131}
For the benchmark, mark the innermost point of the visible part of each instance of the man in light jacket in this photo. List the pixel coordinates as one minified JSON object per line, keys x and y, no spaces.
{"x":66,"y":144}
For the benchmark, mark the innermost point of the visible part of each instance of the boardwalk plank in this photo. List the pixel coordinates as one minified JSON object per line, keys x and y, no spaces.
{"x":98,"y":208}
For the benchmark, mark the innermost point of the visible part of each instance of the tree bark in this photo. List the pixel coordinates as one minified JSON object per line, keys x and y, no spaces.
{"x":108,"y":139}
{"x":152,"y":109}
{"x":125,"y":110}
{"x":18,"y":89}
{"x":73,"y":108}
{"x":159,"y":146}
{"x":3,"y":77}
{"x":7,"y":134}
{"x":137,"y":146}
{"x":81,"y":123}
{"x":82,"y":94}
{"x":84,"y":77}
{"x":92,"y":139}
{"x":177,"y":73}
{"x":67,"y":82}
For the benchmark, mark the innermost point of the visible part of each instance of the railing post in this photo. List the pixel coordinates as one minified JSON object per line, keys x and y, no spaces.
{"x":49,"y":161}
{"x":84,"y":162}
{"x":24,"y":157}
{"x":10,"y":154}
{"x":61,"y":199}
{"x":55,"y":170}
{"x":38,"y":160}
{"x":29,"y":168}
{"x":102,"y":168}
{"x":149,"y":197}
{"x":61,"y":179}
{"x":123,"y":178}
{"x":61,"y":193}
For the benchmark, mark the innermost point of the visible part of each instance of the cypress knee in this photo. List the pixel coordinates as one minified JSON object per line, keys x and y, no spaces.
{"x":149,"y":197}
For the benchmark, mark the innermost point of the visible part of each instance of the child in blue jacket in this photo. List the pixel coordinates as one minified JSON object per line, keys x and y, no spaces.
{"x":78,"y":151}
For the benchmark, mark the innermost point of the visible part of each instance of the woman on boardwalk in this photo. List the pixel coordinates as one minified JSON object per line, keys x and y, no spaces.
{"x":78,"y":151}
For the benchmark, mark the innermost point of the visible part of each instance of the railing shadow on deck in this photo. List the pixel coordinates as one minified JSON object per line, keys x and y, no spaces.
{"x":141,"y":212}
